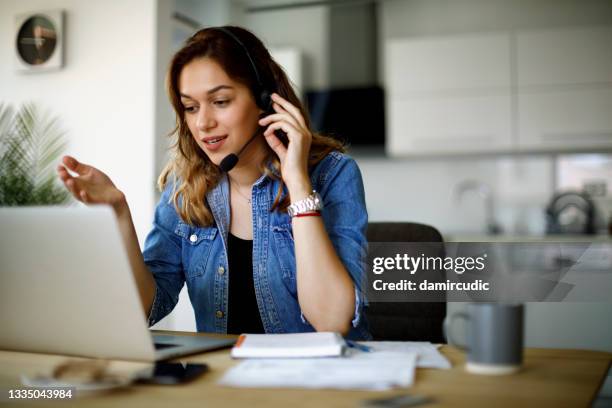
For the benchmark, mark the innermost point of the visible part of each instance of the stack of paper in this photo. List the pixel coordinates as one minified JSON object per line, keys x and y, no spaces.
{"x":387,"y":365}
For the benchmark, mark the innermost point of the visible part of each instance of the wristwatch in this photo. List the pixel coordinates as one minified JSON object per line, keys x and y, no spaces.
{"x":309,"y":204}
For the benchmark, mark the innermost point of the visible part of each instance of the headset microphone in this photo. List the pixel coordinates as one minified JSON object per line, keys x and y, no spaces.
{"x":231,"y":159}
{"x":228,"y":162}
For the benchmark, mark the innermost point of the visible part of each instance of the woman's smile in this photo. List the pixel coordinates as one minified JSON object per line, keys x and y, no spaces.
{"x":214,"y":143}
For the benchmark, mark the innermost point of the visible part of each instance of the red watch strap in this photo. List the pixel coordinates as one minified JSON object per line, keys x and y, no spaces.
{"x":309,"y":214}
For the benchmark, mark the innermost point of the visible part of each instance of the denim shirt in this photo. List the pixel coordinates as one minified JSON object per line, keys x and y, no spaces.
{"x":178,"y":253}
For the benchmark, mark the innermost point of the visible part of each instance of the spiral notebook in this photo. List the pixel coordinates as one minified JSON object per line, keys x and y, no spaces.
{"x":293,"y":345}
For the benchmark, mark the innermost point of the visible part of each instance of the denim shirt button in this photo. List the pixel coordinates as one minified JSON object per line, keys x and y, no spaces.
{"x":219,"y":314}
{"x":193,"y":238}
{"x":221,"y":270}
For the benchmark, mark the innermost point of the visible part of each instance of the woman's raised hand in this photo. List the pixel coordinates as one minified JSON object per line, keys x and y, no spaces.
{"x":90,"y":185}
{"x":294,"y":157}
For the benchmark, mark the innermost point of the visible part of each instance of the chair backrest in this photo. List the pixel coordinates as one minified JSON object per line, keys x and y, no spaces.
{"x":408,"y":321}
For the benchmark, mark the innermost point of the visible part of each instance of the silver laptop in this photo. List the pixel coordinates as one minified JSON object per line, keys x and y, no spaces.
{"x":66,"y":287}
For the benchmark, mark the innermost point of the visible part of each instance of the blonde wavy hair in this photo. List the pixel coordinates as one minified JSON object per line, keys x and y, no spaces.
{"x":193,"y":173}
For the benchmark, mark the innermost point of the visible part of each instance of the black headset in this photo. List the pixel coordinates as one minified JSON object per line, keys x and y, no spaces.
{"x":263,"y":97}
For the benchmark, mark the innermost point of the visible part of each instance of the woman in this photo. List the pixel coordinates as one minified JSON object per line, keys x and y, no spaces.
{"x":257,"y":251}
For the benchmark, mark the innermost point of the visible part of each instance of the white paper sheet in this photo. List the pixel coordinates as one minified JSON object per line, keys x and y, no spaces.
{"x":366,"y":371}
{"x":428,"y":354}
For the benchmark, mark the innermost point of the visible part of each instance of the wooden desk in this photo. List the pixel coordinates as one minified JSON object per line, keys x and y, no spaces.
{"x":550,"y":378}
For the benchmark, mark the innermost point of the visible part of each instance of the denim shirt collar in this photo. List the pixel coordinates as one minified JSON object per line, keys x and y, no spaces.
{"x":218,"y":198}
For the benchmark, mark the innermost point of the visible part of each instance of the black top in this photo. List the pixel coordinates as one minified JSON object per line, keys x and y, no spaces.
{"x":243,"y":313}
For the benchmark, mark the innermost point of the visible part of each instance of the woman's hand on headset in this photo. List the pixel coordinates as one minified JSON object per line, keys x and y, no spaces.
{"x":90,"y":185}
{"x":294,"y":156}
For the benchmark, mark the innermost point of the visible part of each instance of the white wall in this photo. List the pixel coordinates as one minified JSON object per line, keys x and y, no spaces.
{"x":164,"y":114}
{"x":211,"y":12}
{"x":424,"y":190}
{"x":105,"y":93}
{"x":306,"y":29}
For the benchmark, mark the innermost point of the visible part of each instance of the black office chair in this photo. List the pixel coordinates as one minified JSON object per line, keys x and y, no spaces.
{"x":408,"y":321}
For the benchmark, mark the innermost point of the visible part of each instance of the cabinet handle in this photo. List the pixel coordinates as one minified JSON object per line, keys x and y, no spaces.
{"x":582,"y":136}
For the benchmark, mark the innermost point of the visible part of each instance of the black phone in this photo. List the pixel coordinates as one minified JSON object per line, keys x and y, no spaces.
{"x":172,"y":373}
{"x":282,"y":136}
{"x":396,"y":401}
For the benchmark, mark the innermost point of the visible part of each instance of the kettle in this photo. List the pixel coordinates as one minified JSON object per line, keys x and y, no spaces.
{"x":570,"y":212}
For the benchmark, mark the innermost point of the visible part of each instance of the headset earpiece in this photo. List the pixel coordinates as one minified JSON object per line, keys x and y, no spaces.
{"x":265,"y":101}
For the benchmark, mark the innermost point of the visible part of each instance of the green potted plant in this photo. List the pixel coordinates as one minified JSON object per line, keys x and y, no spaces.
{"x":31,"y":145}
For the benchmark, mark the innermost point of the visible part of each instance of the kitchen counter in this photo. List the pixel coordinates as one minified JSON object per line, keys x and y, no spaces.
{"x":474,"y":237}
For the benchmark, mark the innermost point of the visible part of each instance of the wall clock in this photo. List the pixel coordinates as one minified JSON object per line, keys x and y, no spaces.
{"x":38,"y":41}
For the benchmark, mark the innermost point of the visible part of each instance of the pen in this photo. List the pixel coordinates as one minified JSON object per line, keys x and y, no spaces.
{"x":354,"y":344}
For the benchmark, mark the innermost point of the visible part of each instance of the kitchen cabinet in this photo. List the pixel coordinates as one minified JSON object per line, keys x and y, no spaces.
{"x":564,"y":88}
{"x":564,"y":56}
{"x":565,"y":119}
{"x":515,"y":91}
{"x":459,"y":63}
{"x":454,"y":124}
{"x":447,"y":95}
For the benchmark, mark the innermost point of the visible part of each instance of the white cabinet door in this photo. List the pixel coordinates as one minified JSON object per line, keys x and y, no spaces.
{"x":564,"y":56}
{"x":443,"y":64}
{"x":570,"y":119}
{"x":539,"y":90}
{"x":463,"y":124}
{"x":565,"y":89}
{"x":449,"y":94}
